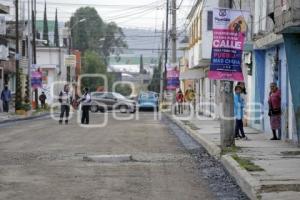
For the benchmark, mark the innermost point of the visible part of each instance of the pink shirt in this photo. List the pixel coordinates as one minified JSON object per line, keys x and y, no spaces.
{"x":275,"y":99}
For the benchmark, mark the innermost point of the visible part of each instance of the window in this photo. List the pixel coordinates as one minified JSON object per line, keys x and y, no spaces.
{"x":210,"y":20}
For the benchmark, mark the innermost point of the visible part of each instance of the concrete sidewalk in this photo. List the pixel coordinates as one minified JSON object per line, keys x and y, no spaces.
{"x":274,"y":165}
{"x":12,"y":117}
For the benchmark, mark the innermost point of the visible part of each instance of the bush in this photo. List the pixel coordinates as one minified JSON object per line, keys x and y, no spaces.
{"x":24,"y":106}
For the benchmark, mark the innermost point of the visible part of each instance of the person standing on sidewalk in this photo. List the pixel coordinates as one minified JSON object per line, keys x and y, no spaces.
{"x":239,"y":105}
{"x":179,"y":101}
{"x":275,"y":110}
{"x":42,"y":99}
{"x":85,"y":106}
{"x":5,"y":97}
{"x":189,"y":97}
{"x":65,"y":99}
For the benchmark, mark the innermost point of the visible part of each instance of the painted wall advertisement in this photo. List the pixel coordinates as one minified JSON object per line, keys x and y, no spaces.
{"x":172,"y":77}
{"x":229,"y":33}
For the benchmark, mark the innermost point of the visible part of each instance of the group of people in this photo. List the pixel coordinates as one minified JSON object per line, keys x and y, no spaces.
{"x":274,"y":113}
{"x":188,"y":96}
{"x":240,"y":93}
{"x":66,"y":100}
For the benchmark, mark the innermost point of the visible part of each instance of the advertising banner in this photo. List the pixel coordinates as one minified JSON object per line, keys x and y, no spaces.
{"x":229,"y":33}
{"x":172,"y":77}
{"x":36,"y":80}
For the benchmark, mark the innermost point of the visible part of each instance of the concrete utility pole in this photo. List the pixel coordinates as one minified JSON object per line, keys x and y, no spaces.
{"x":161,"y":63}
{"x":33,"y":6}
{"x":17,"y":59}
{"x":29,"y":50}
{"x":166,"y":43}
{"x":227,"y":109}
{"x":173,"y":33}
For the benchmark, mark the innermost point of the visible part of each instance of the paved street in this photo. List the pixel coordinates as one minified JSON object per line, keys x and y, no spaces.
{"x":42,"y":160}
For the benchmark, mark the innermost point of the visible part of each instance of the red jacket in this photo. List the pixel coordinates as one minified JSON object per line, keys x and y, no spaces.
{"x":179,"y":97}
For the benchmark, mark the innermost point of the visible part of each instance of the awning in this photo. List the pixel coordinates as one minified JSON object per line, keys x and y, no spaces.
{"x":4,"y":9}
{"x":192,"y":74}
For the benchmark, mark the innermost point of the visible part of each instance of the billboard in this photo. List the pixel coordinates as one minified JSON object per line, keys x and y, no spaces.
{"x":229,"y":33}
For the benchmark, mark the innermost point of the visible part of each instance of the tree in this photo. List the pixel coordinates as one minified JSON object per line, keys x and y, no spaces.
{"x":93,"y":65}
{"x":56,"y":35}
{"x":155,"y":82}
{"x":124,"y":89}
{"x":45,"y":27}
{"x":86,"y":35}
{"x":113,"y":41}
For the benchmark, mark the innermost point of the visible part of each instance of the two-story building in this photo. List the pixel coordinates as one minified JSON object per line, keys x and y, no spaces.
{"x":287,"y":22}
{"x":198,"y":54}
{"x":271,"y":65}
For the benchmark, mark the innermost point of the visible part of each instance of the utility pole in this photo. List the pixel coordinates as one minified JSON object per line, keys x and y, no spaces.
{"x":173,"y":33}
{"x":226,"y":95}
{"x":18,"y":100}
{"x":161,"y":63}
{"x":166,"y":43}
{"x":29,"y":49}
{"x":33,"y":6}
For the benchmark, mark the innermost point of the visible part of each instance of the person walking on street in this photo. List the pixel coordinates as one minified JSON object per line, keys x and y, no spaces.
{"x":239,"y":105}
{"x":65,"y":99}
{"x":179,"y":100}
{"x":5,"y":97}
{"x":85,"y":106}
{"x":42,"y":99}
{"x":275,"y":110}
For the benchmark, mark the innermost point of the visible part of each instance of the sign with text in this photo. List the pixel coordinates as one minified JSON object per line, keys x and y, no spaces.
{"x":172,"y":77}
{"x":229,"y":33}
{"x":70,"y":60}
{"x":36,"y":80}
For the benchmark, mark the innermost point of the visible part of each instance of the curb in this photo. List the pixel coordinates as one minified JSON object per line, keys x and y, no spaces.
{"x":24,"y":119}
{"x":249,"y":185}
{"x":211,"y":148}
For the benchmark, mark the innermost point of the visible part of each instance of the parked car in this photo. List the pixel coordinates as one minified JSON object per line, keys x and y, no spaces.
{"x":102,"y":101}
{"x":147,"y":100}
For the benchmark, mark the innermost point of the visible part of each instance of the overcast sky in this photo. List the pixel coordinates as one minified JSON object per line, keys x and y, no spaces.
{"x":126,"y":13}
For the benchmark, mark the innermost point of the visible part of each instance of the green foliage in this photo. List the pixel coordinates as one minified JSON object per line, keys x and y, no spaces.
{"x":155,"y":82}
{"x":19,"y":98}
{"x":56,"y":34}
{"x":94,"y":34}
{"x":247,"y":164}
{"x":45,"y":27}
{"x":124,"y":89}
{"x":86,"y":34}
{"x":230,"y":150}
{"x":113,"y":41}
{"x":27,"y":90}
{"x":93,"y":65}
{"x":24,"y":106}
